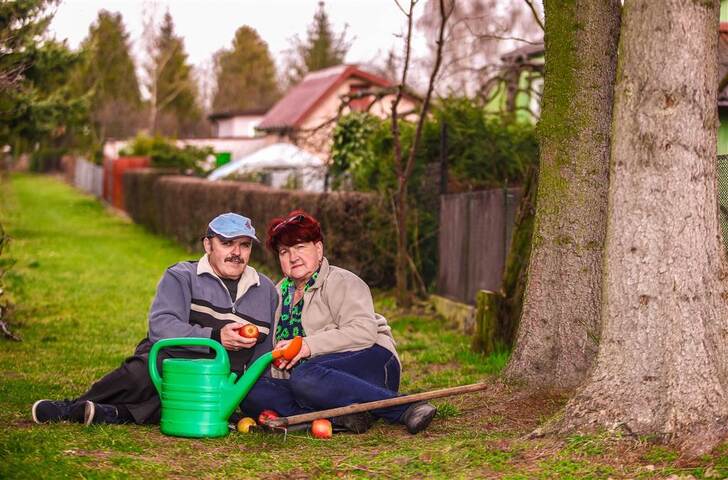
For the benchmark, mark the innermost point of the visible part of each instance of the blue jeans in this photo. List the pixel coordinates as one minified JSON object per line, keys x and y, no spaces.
{"x":330,"y":381}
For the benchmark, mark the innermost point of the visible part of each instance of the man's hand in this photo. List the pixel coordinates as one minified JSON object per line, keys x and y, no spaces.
{"x":305,"y":352}
{"x":232,"y":340}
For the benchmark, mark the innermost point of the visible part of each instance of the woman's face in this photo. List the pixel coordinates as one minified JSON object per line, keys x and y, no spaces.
{"x":300,"y":261}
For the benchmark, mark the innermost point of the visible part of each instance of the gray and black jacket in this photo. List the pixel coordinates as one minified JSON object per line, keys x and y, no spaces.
{"x":191,"y":301}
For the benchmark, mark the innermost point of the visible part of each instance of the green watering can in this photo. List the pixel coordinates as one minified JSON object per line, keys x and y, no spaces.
{"x":199,"y":395}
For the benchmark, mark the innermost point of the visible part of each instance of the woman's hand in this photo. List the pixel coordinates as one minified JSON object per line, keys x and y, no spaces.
{"x":283,"y":364}
{"x":232,"y":340}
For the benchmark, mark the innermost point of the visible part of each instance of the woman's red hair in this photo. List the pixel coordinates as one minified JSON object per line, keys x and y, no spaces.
{"x":297,"y":227}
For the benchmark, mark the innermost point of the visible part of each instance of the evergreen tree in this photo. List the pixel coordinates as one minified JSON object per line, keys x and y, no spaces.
{"x":246,"y":75}
{"x":108,"y":73}
{"x":173,"y":94}
{"x":37,"y":107}
{"x":322,"y":48}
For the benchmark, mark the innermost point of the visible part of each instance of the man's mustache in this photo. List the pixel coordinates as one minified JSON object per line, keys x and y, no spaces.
{"x":234,"y":259}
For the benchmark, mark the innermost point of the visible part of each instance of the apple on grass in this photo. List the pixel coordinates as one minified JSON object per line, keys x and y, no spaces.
{"x":245,"y":424}
{"x":321,"y":428}
{"x":248,"y":331}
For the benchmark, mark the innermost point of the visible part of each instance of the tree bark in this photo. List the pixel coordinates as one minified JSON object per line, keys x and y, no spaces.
{"x":557,"y":337}
{"x":663,"y":361}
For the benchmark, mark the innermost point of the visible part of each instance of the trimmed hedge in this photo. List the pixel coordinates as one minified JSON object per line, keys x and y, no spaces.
{"x":358,"y":234}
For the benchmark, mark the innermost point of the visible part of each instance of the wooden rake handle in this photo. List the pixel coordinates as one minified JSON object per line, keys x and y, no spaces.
{"x":283,"y":422}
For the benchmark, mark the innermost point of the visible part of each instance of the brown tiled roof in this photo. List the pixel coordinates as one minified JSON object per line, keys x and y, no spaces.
{"x":301,"y":100}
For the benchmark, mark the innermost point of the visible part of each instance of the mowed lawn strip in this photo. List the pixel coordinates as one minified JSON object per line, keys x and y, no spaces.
{"x":82,"y":284}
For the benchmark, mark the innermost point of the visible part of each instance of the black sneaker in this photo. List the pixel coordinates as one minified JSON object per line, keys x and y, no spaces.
{"x":418,"y":416}
{"x":100,"y":413}
{"x":45,"y":411}
{"x":355,"y":422}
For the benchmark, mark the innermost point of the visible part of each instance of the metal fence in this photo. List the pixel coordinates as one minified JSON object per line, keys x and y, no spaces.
{"x":88,"y":177}
{"x":723,"y":196}
{"x":475,"y":234}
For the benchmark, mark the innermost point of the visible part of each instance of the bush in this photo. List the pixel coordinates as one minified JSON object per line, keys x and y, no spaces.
{"x":165,"y":154}
{"x":482,"y":152}
{"x":356,"y":234}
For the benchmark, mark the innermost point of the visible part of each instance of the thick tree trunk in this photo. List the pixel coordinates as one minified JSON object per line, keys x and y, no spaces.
{"x":663,"y":361}
{"x":558,"y":333}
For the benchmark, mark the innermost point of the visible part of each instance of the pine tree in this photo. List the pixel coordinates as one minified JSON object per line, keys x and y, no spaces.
{"x":173,"y":93}
{"x":322,"y":48}
{"x":108,"y":73}
{"x":36,"y":104}
{"x":246,"y":75}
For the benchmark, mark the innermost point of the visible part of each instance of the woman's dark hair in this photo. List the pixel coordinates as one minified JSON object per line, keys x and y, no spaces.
{"x":297,"y":227}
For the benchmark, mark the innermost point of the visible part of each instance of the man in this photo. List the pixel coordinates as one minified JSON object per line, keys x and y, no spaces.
{"x":211,"y":298}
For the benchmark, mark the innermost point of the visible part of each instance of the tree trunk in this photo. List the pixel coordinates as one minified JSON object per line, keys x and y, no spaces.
{"x":557,"y":338}
{"x":663,"y":361}
{"x":402,"y":292}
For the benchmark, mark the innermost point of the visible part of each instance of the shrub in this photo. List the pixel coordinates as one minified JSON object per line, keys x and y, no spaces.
{"x":165,"y":154}
{"x":356,"y":234}
{"x":482,"y":152}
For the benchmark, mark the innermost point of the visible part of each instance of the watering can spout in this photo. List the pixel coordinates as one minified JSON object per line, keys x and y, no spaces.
{"x":235,"y":391}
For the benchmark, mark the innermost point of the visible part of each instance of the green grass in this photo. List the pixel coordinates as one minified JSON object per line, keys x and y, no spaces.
{"x":82,"y":283}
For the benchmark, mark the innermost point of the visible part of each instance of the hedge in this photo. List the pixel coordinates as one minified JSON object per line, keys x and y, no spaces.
{"x":357,"y":229}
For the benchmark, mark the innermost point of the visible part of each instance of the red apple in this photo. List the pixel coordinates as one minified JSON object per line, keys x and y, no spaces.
{"x":266,"y":415}
{"x":278,"y":362}
{"x":321,"y":428}
{"x":248,"y":331}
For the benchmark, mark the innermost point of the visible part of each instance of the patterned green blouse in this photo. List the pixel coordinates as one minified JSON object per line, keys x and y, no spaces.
{"x":289,"y":325}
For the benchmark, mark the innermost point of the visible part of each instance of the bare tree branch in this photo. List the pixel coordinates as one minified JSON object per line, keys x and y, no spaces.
{"x":535,"y":13}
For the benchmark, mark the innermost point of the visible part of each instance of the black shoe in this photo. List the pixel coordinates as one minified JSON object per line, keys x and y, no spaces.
{"x":355,"y":422}
{"x":77,"y":412}
{"x":45,"y":411}
{"x":418,"y":416}
{"x":100,"y":413}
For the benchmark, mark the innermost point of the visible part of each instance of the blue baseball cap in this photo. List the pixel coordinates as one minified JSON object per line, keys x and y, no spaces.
{"x":231,"y":225}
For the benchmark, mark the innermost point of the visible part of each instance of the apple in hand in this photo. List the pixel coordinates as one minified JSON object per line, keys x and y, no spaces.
{"x":278,"y":362}
{"x":321,"y":428}
{"x":266,"y":415}
{"x":248,"y":331}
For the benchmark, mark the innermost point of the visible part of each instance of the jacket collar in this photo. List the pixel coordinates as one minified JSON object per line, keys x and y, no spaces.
{"x":323,"y":273}
{"x":248,"y":279}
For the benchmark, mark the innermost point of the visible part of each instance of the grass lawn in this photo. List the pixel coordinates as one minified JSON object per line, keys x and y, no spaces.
{"x":82,"y":284}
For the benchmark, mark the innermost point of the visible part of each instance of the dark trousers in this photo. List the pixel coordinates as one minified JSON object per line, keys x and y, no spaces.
{"x":131,"y":387}
{"x":330,"y":381}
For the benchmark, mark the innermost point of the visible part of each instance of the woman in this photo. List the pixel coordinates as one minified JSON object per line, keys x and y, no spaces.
{"x":348,"y":353}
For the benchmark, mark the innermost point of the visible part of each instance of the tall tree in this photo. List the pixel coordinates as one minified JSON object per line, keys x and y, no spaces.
{"x":558,"y":334}
{"x":108,"y":73}
{"x":663,"y":360}
{"x":246,"y":75}
{"x":322,"y":48}
{"x":36,"y":105}
{"x":173,"y":107}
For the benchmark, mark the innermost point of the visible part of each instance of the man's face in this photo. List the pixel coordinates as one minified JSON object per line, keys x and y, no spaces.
{"x":228,"y":258}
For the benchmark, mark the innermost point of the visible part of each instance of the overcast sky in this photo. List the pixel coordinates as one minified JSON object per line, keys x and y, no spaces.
{"x":208,"y":25}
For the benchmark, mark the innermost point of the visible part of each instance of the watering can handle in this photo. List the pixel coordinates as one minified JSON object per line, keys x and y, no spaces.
{"x":220,"y":354}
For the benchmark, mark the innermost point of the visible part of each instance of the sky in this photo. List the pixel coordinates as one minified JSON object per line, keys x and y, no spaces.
{"x":208,"y":25}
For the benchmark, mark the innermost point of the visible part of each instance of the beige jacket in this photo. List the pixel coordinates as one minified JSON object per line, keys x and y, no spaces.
{"x":338,"y":315}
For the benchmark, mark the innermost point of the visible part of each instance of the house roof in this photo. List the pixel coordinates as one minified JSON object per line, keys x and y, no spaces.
{"x":525,"y":52}
{"x":251,"y":112}
{"x":301,"y":100}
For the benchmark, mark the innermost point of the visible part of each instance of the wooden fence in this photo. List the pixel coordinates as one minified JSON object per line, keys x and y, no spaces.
{"x":475,"y":234}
